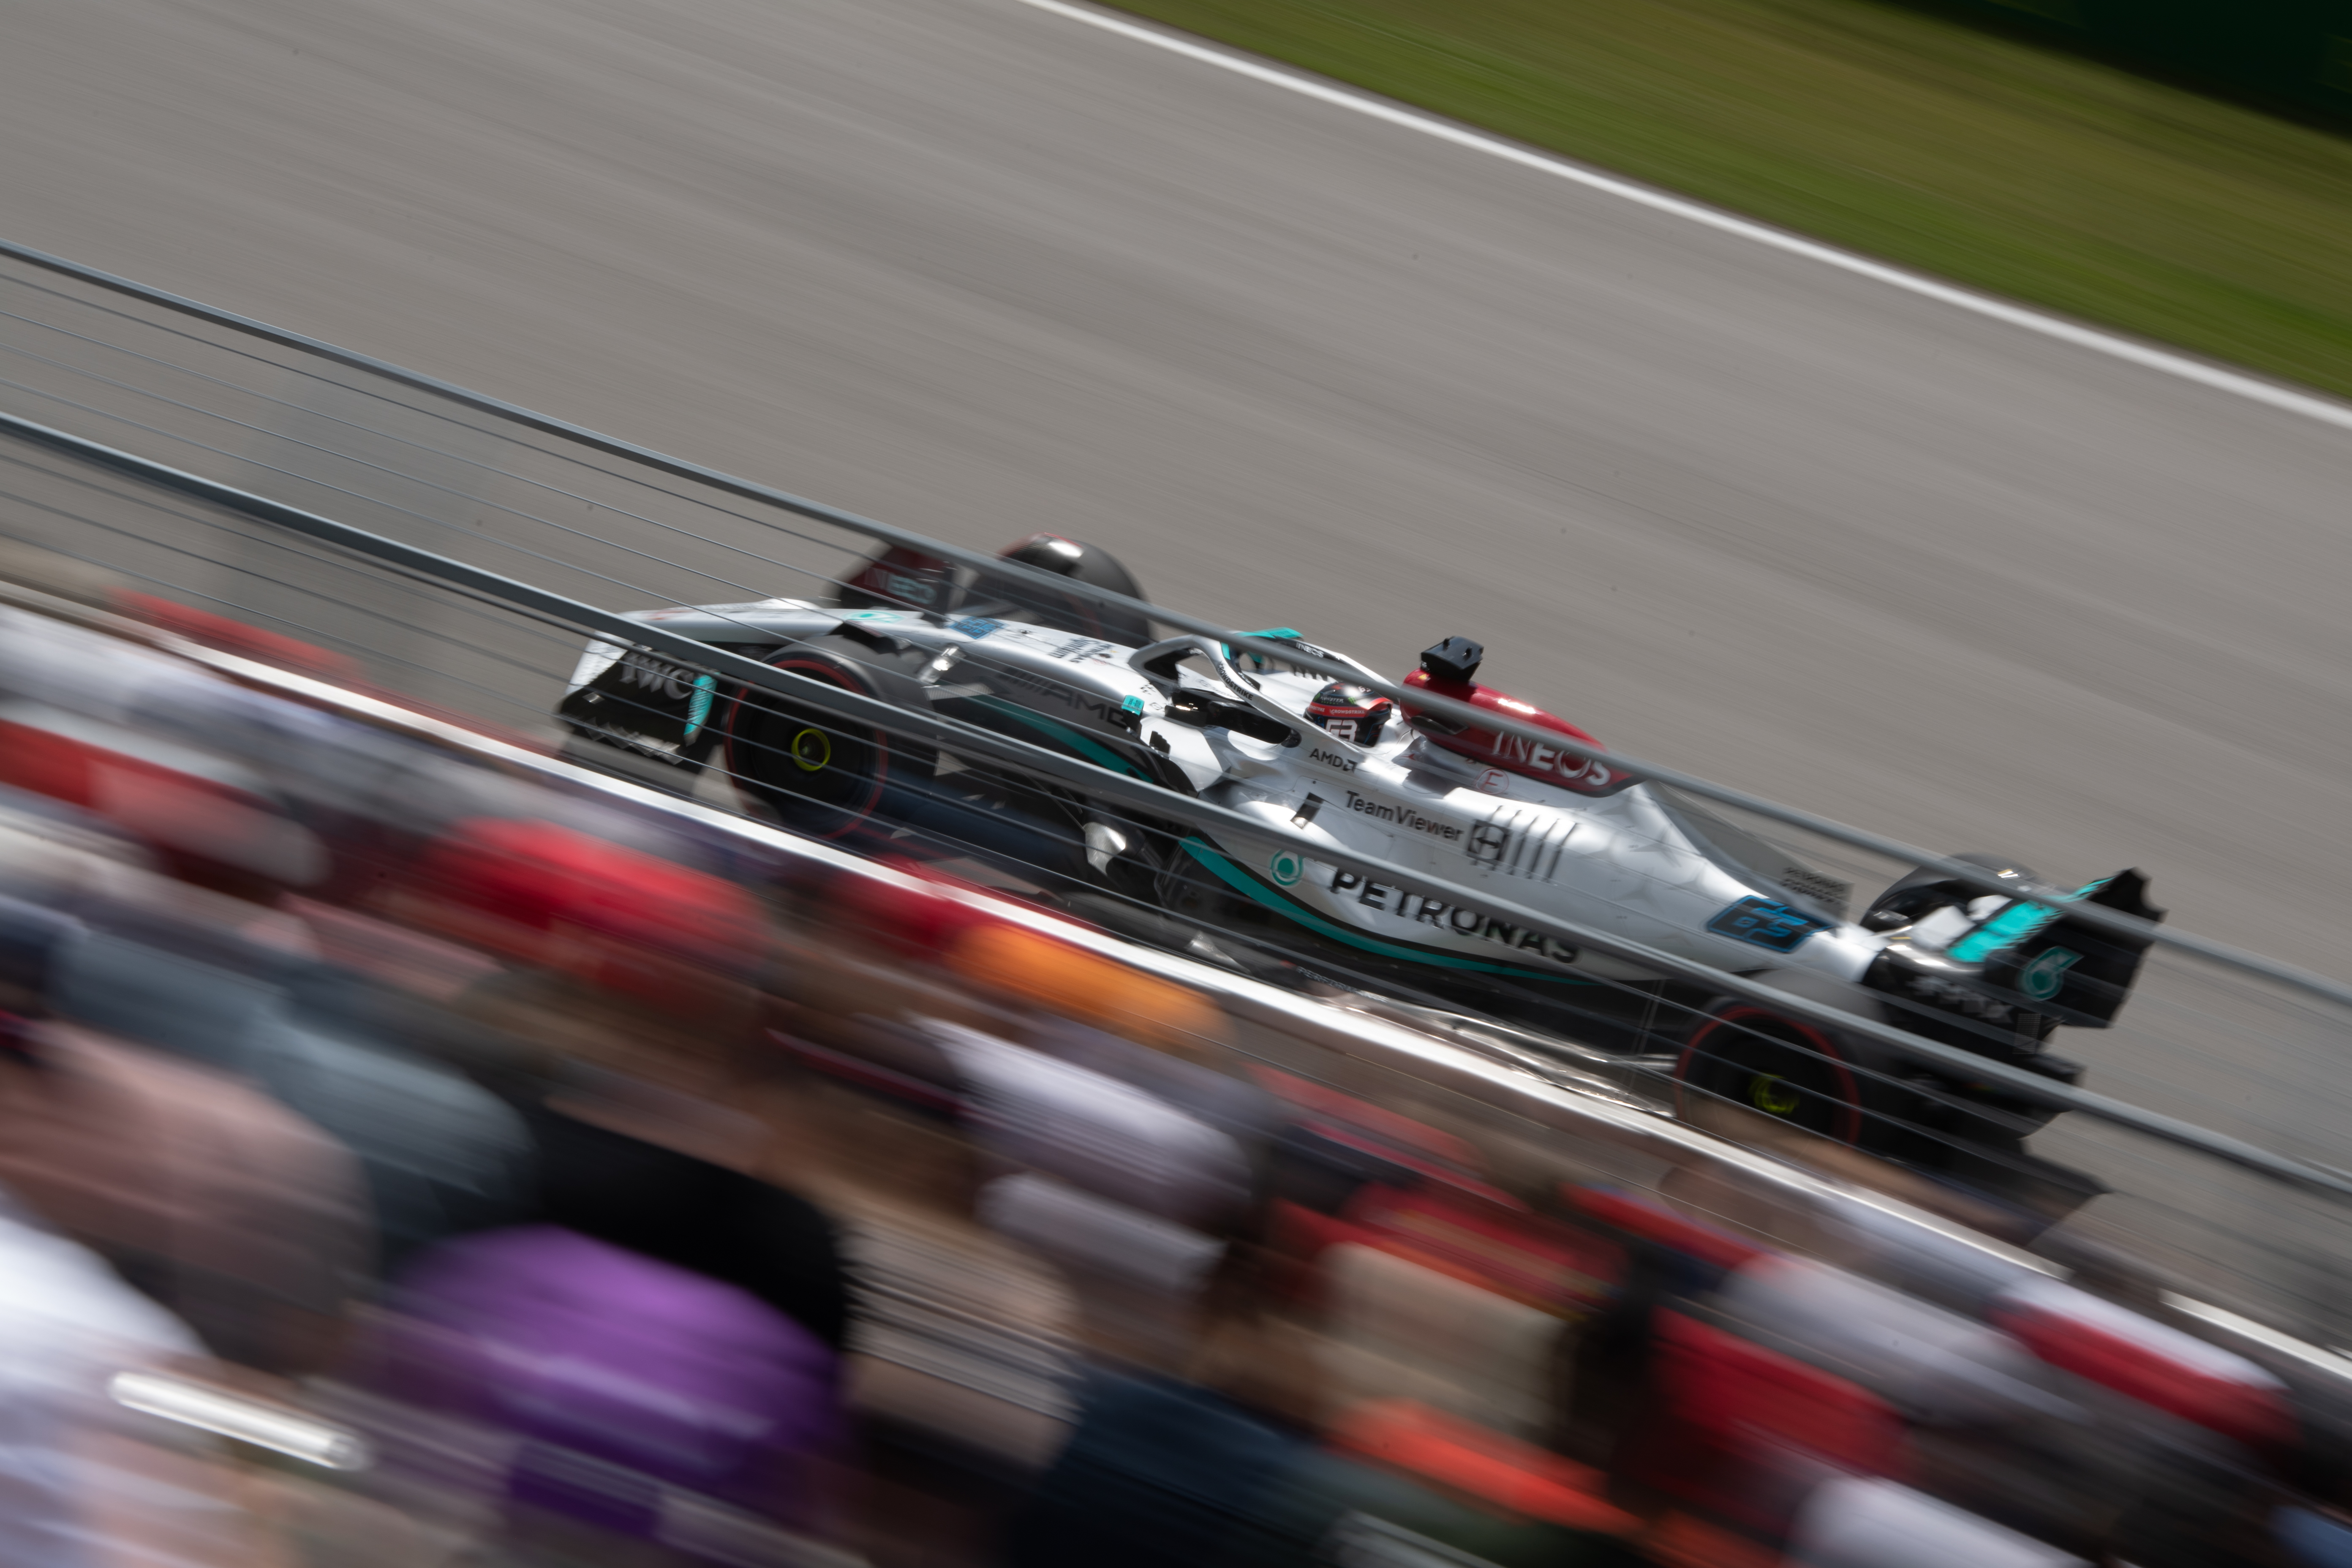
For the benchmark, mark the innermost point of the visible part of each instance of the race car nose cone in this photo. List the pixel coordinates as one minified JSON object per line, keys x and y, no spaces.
{"x":1454,"y":660}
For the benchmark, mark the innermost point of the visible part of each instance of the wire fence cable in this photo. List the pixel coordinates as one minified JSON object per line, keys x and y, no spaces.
{"x":544,"y":604}
{"x":2293,"y":976}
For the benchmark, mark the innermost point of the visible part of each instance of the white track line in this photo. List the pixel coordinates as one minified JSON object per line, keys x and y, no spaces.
{"x":2222,"y":379}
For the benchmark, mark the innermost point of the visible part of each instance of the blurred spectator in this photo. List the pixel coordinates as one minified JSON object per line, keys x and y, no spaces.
{"x":1136,"y":1275}
{"x":1157,"y":1473}
{"x":83,"y":1481}
{"x":2310,"y":1536}
{"x":1524,"y":1504}
{"x":663,"y":1173}
{"x":1069,"y":981}
{"x":54,"y":854}
{"x":211,"y":823}
{"x":1095,"y":1132}
{"x":244,"y":1219}
{"x":441,"y":1156}
{"x":2160,"y":1366}
{"x":641,"y":1019}
{"x":2201,"y":1502}
{"x":1224,"y":1472}
{"x":686,"y":948}
{"x":1127,"y":1195}
{"x":623,"y":1319}
{"x":1859,"y":1523}
{"x":1399,"y":1329}
{"x":200,"y":969}
{"x":637,"y":1392}
{"x":1933,"y":1366}
{"x":1742,"y":1433}
{"x":962,"y":1364}
{"x":1235,"y":1106}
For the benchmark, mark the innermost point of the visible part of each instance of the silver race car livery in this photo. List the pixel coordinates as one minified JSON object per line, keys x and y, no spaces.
{"x":1315,"y":765}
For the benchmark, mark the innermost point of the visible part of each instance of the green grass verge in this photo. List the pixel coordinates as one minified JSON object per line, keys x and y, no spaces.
{"x":2023,"y":170}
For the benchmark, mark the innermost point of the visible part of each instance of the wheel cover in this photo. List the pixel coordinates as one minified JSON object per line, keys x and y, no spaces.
{"x":812,"y":751}
{"x":1772,"y":1094}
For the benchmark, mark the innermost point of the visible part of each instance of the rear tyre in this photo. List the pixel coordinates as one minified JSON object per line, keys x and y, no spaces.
{"x":1035,"y":602}
{"x":1754,"y":1059}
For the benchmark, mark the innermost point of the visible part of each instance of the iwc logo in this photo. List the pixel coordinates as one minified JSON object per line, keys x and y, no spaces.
{"x":1287,"y":867}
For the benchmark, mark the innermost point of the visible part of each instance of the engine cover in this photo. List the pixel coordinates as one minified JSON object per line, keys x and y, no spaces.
{"x":1513,"y":753}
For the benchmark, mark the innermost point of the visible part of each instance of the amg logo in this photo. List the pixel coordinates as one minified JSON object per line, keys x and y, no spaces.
{"x":1404,"y":816}
{"x":1067,"y":696}
{"x":1452,"y":918}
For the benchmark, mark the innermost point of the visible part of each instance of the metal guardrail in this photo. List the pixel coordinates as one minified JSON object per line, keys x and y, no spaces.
{"x":2318,"y":985}
{"x":1143,"y":797}
{"x":591,"y":525}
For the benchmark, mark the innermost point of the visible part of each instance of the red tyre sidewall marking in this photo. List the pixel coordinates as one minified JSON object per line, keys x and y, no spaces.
{"x":833,"y":674}
{"x":1850,"y":1114}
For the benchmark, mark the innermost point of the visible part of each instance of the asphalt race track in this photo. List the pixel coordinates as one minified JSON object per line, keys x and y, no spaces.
{"x":979,"y":269}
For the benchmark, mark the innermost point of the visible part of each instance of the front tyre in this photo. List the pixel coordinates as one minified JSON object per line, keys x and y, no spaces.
{"x":819,"y":773}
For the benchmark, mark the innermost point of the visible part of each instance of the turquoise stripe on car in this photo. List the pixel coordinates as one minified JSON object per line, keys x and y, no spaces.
{"x":2014,"y":925}
{"x":1241,"y":882}
{"x":1076,"y":740}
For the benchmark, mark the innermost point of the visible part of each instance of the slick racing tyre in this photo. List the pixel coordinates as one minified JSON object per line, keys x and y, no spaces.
{"x":821,"y":774}
{"x":1753,"y":1059}
{"x":1748,"y":1055}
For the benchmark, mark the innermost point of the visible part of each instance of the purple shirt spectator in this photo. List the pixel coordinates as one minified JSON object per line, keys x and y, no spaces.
{"x":621,"y":1377}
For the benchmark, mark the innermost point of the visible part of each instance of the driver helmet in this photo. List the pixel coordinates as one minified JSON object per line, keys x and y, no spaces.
{"x":1353,"y":713}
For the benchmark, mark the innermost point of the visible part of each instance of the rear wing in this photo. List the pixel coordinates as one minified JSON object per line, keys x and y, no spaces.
{"x":2034,"y":957}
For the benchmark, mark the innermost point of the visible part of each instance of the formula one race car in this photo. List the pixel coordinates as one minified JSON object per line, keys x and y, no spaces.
{"x":1313,"y":763}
